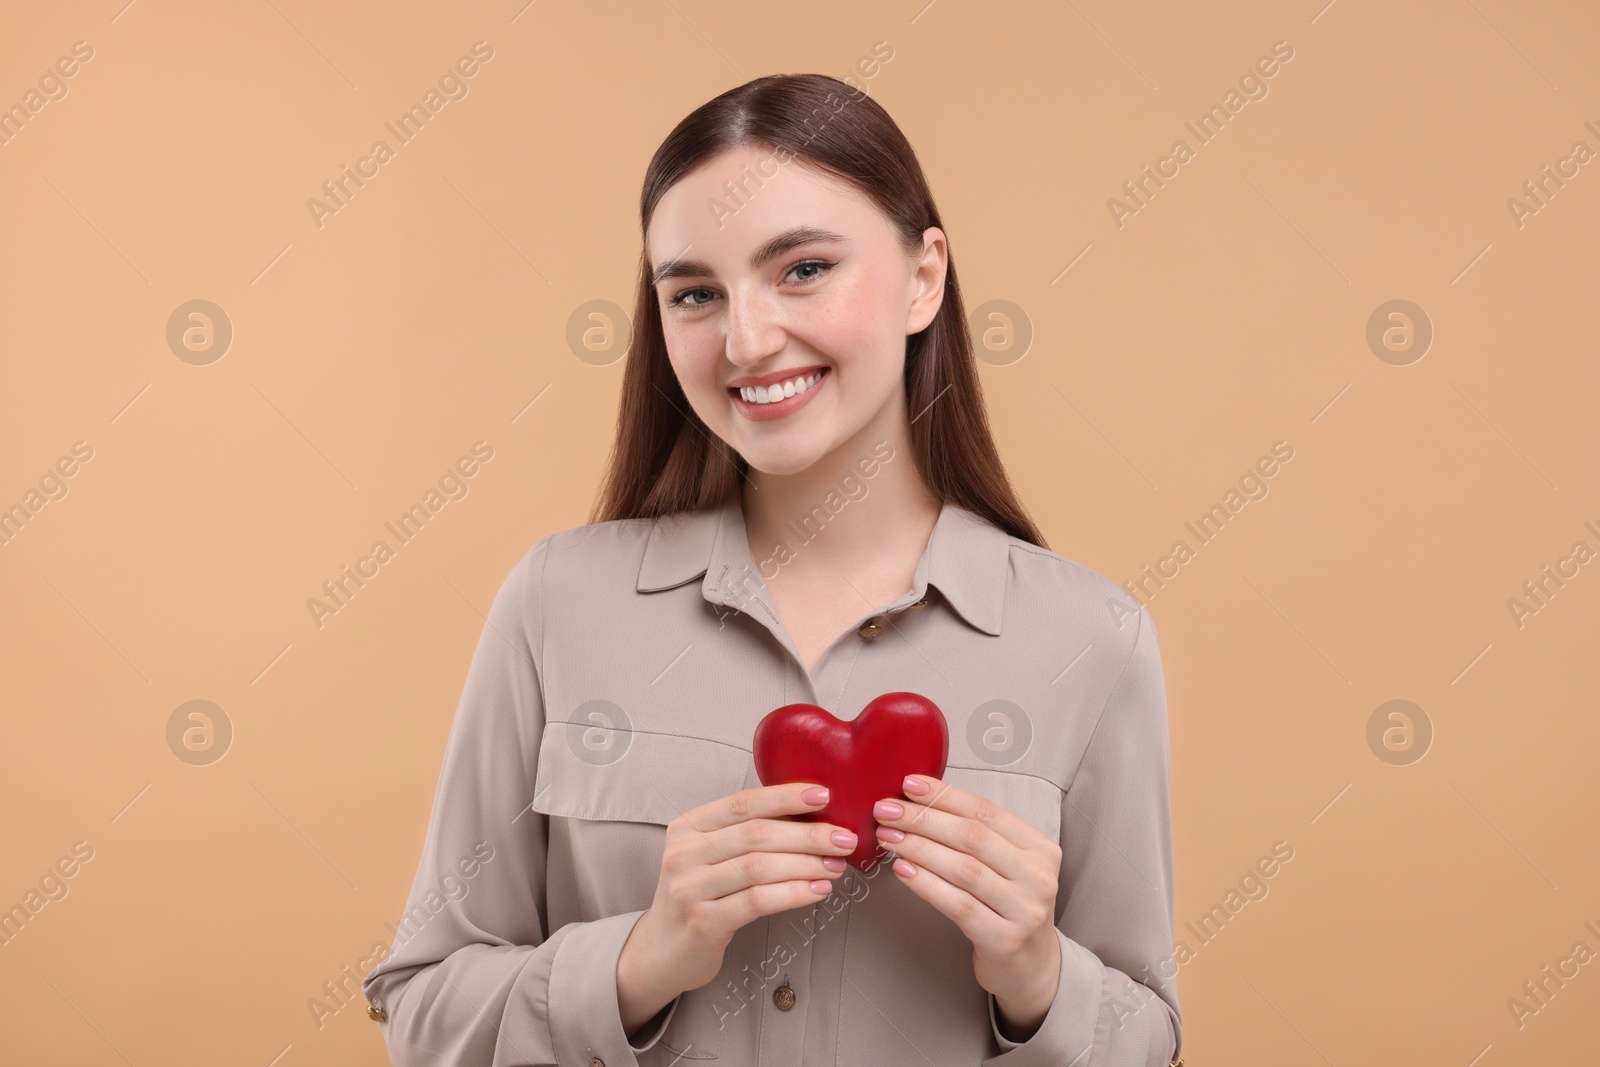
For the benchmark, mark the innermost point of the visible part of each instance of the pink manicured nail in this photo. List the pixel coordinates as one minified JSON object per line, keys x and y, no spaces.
{"x":888,"y":809}
{"x":844,"y":839}
{"x":833,"y":863}
{"x":823,"y":886}
{"x":891,"y":835}
{"x":916,"y":786}
{"x":815,"y":795}
{"x":902,"y":867}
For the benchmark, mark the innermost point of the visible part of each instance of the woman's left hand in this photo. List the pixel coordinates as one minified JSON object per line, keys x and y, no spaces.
{"x":995,"y":876}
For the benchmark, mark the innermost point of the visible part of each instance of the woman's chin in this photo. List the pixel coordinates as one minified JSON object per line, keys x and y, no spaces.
{"x":782,"y":461}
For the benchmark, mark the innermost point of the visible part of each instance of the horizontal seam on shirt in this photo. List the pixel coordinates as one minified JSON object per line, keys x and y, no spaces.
{"x":660,"y":733}
{"x":1017,"y":774}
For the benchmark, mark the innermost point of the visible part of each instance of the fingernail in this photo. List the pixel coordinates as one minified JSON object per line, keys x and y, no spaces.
{"x":823,"y":886}
{"x":888,"y":809}
{"x":902,"y":867}
{"x":815,"y":795}
{"x":891,"y":835}
{"x":833,"y":863}
{"x":844,"y":839}
{"x":916,"y":786}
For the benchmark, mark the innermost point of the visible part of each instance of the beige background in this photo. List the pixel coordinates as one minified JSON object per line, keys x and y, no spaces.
{"x":1230,"y":312}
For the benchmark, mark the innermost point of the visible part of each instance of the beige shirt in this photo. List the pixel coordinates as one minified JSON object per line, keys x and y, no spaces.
{"x":618,"y":684}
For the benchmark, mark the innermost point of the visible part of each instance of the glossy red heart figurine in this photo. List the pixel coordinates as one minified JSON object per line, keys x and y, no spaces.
{"x":860,"y":761}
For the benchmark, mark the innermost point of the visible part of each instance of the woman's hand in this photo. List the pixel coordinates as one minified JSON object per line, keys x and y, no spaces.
{"x":995,"y":876}
{"x":725,"y":864}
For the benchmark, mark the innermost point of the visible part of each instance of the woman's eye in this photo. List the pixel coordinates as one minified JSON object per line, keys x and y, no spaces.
{"x":817,"y":266}
{"x":821,"y":266}
{"x":680,"y":301}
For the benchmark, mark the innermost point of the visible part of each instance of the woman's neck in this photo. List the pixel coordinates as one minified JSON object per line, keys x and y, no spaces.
{"x":838,"y":520}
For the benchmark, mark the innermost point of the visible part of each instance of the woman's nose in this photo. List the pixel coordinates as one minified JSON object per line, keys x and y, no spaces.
{"x":755,"y":330}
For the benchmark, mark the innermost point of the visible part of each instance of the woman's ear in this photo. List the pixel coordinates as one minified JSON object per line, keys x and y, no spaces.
{"x":928,"y":281}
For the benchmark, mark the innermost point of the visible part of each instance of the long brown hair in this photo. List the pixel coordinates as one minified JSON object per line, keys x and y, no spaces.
{"x":665,"y":458}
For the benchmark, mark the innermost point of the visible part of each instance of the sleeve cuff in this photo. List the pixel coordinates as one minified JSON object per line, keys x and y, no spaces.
{"x":651,"y":1031}
{"x":1067,"y":1032}
{"x":585,"y":1021}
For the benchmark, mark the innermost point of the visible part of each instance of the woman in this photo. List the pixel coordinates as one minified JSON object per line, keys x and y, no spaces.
{"x":804,"y":504}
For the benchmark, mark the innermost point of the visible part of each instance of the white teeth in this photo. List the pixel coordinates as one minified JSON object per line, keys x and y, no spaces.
{"x":771,"y":394}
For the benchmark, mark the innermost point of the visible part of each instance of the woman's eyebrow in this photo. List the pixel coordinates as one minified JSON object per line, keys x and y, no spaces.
{"x":788,"y":239}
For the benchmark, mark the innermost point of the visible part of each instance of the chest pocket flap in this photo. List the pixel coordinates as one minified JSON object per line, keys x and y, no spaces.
{"x":1035,"y":800}
{"x":631,"y":775}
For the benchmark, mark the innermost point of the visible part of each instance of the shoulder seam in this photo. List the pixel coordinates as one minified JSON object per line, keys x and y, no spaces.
{"x":1121,"y":677}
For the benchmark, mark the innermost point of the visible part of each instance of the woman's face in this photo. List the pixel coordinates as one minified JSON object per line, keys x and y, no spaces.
{"x":792,"y":277}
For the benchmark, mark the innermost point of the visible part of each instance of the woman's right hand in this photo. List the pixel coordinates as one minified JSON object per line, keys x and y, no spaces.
{"x":726,"y":864}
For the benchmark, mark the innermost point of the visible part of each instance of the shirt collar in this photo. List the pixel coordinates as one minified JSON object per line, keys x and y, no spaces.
{"x":967,"y":559}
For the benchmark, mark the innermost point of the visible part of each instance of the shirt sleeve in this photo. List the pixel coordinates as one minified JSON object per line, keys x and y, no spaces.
{"x":475,"y":975}
{"x":1116,"y":1004}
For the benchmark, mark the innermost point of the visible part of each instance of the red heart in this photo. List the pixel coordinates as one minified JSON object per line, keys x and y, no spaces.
{"x":861,"y":761}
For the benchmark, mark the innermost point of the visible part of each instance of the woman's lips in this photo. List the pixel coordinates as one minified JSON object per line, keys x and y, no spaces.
{"x":788,"y":405}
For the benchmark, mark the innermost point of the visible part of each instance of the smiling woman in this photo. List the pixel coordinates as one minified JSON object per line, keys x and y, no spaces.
{"x":654,"y":902}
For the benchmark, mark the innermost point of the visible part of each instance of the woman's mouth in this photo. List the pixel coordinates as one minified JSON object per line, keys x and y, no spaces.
{"x":762,"y":403}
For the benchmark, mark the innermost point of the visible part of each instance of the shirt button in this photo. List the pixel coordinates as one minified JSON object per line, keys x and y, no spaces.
{"x":870,"y":630}
{"x":783,"y":997}
{"x":375,"y":1013}
{"x":920,"y":604}
{"x":596,"y":1061}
